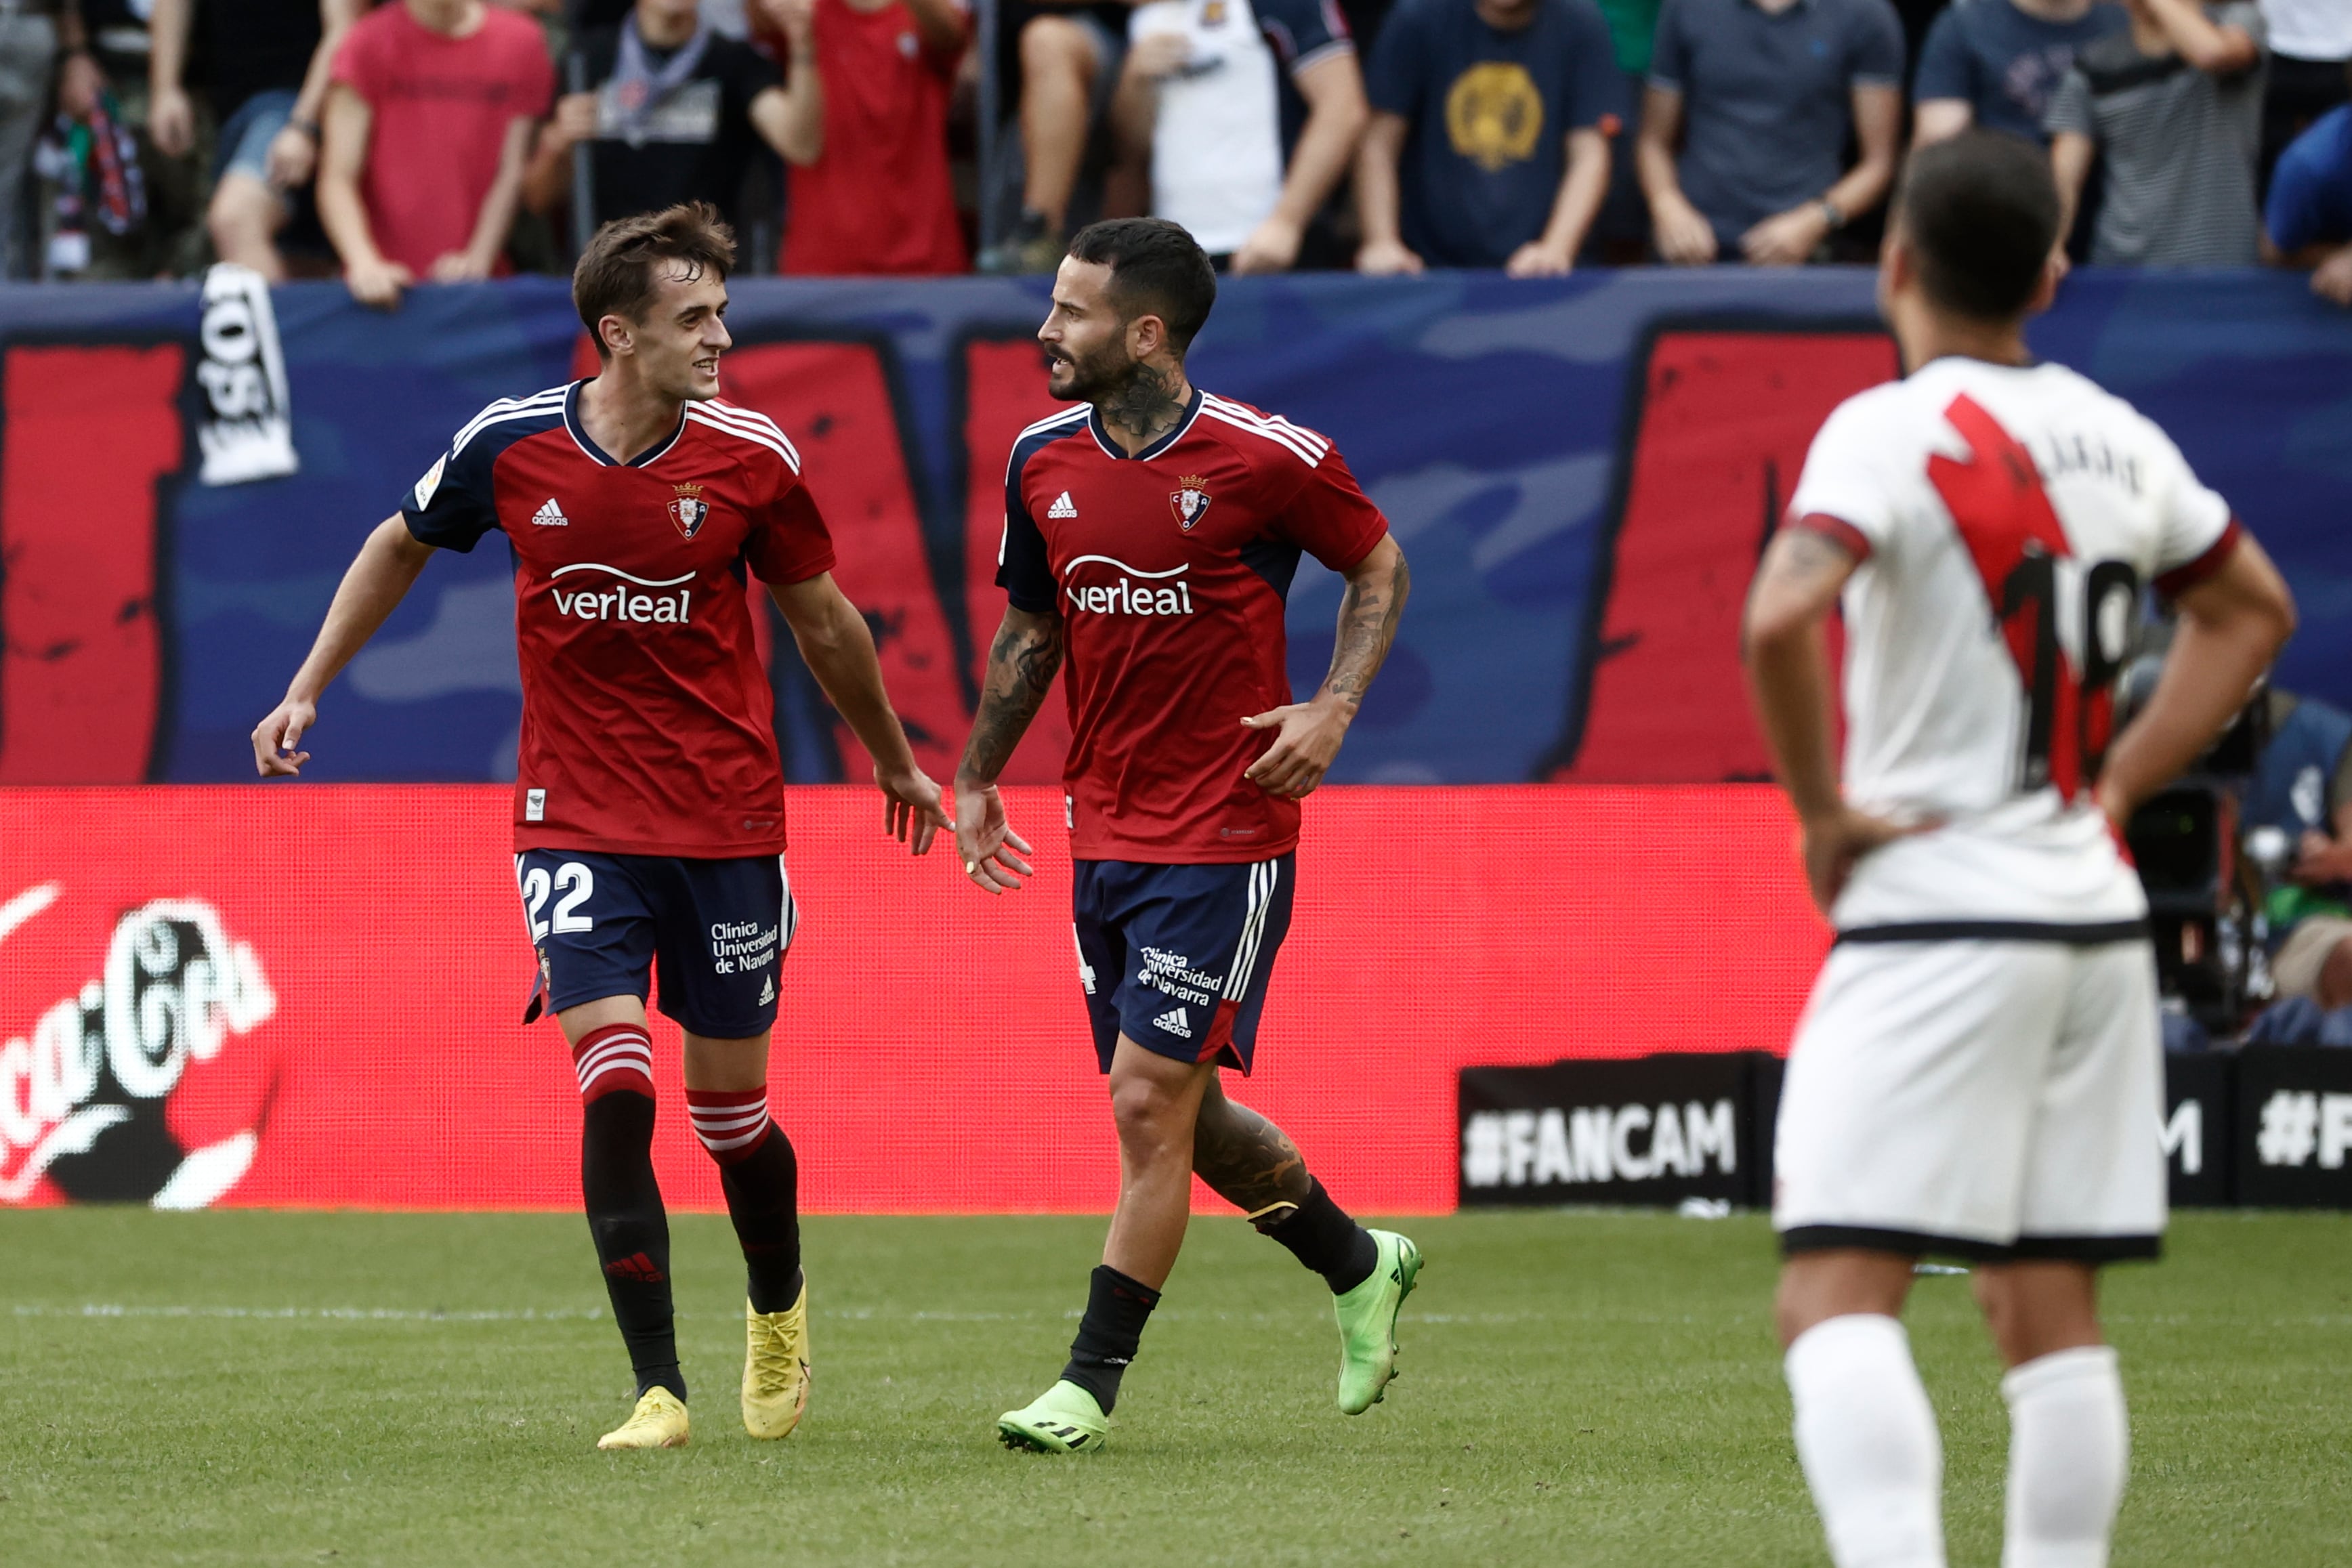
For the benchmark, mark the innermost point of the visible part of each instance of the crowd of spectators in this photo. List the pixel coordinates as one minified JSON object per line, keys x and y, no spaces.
{"x":394,"y":142}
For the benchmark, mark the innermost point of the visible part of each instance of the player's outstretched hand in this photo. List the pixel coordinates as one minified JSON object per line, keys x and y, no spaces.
{"x":993,"y":854}
{"x":912,"y":812}
{"x":1834,"y":845}
{"x":274,"y":739}
{"x":1302,"y":753}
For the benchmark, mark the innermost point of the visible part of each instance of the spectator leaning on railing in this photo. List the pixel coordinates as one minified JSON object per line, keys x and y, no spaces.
{"x":265,"y":65}
{"x":1998,"y":63}
{"x":427,"y":131}
{"x":1762,"y":94}
{"x":2309,"y":218}
{"x":2173,"y":110}
{"x":1487,"y":146}
{"x":675,"y":111}
{"x":1202,"y":100}
{"x":880,"y":198}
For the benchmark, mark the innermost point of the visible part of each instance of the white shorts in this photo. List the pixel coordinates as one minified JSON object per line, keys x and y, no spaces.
{"x":1983,"y":1099}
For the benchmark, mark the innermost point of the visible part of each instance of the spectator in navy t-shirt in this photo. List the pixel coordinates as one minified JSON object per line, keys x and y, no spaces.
{"x":1769,"y":90}
{"x":1998,"y":63}
{"x":2309,"y":221}
{"x":1489,"y":140}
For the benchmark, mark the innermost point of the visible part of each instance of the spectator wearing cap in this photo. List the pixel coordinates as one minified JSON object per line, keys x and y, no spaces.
{"x":428,"y":130}
{"x":2308,"y":219}
{"x":674,"y":110}
{"x":2310,"y":52}
{"x":2172,"y":109}
{"x":1998,"y":63}
{"x":880,"y":198}
{"x":1203,"y":99}
{"x":1763,"y":96}
{"x":266,"y":64}
{"x":1488,"y":144}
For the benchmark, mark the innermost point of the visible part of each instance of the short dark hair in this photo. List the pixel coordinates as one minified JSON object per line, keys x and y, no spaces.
{"x":1981,"y":211}
{"x":1157,"y":268}
{"x":615,"y":275}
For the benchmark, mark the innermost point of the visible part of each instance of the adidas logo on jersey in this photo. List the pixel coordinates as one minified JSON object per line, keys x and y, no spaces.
{"x":550,"y":516}
{"x":1174,"y":1021}
{"x":1062,"y":506}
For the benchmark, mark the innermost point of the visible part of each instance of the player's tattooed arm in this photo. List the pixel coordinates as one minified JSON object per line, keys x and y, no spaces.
{"x":1022,"y":662}
{"x":1247,"y":1160}
{"x":1311,"y":731}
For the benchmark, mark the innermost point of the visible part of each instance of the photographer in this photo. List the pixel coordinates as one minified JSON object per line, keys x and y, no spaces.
{"x":2301,"y":787}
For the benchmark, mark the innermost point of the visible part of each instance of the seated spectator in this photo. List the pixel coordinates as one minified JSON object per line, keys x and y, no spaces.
{"x":428,"y":130}
{"x":2308,"y":220}
{"x":1200,"y":102}
{"x":1764,"y":95}
{"x":265,"y":65}
{"x":2302,"y":787}
{"x":2311,"y":49}
{"x":675,"y":111}
{"x":2173,"y":110}
{"x":1998,"y":63}
{"x":880,"y":198}
{"x":1487,"y":145}
{"x":1071,"y":57}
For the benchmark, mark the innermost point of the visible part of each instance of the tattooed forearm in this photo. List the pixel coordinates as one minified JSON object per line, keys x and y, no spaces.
{"x":1020,"y":666}
{"x":1367,"y":623}
{"x":1148,"y":406}
{"x":1245,"y":1159}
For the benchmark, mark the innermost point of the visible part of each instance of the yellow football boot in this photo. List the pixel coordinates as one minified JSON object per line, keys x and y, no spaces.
{"x":775,"y":1368}
{"x":658,"y":1422}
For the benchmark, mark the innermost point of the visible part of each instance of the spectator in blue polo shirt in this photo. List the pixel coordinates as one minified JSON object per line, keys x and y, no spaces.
{"x":2309,"y":221}
{"x":1489,"y":139}
{"x":1768,"y":92}
{"x":1998,"y":63}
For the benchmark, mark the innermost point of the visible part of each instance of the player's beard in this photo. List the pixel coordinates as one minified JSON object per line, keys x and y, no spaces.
{"x":1094,"y":378}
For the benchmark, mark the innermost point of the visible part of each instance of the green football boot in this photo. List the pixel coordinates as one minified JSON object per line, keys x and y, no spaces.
{"x":1368,"y":1315}
{"x":1064,"y":1419}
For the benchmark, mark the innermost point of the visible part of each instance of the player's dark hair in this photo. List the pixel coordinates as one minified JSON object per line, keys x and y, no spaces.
{"x":616,"y":273}
{"x":1981,"y":211}
{"x":1156,"y":269}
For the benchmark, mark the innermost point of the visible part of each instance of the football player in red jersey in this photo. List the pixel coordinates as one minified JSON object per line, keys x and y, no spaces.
{"x":1150,"y":536}
{"x":649,"y":802}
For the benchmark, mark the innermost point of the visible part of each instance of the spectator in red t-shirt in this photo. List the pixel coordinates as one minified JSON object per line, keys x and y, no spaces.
{"x":428,"y":127}
{"x":879,"y":198}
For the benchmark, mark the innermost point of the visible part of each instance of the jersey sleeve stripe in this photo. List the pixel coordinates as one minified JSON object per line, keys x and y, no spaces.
{"x":1837,"y":531}
{"x":550,"y":400}
{"x":776,"y":445}
{"x":1294,"y":448}
{"x":756,"y":426}
{"x":2188,"y":575}
{"x":1272,"y":421}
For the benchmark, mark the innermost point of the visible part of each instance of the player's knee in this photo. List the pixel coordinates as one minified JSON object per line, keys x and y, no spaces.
{"x":1150,"y":1116}
{"x":616,"y":1059}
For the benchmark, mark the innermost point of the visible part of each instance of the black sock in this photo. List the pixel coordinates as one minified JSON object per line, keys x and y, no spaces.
{"x":764,"y":1200}
{"x":631,"y":1232}
{"x":1116,"y":1310}
{"x":1321,"y":1235}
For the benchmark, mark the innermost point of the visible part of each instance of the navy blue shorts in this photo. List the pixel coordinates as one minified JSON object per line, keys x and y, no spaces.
{"x":712,"y":932}
{"x":1176,"y":956}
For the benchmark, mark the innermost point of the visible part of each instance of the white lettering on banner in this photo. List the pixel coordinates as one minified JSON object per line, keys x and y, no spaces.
{"x":1598,"y":1144}
{"x":172,"y":989}
{"x":2183,"y":1136}
{"x":247,"y":432}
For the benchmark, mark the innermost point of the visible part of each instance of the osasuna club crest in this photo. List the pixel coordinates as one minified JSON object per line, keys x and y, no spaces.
{"x":1190,"y":504}
{"x":688,"y":509}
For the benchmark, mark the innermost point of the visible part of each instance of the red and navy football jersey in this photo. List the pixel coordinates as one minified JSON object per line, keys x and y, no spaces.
{"x":1169,"y":569}
{"x":648,"y":723}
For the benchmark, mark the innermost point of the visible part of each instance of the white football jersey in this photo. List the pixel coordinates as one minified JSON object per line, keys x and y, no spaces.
{"x":2008,"y":520}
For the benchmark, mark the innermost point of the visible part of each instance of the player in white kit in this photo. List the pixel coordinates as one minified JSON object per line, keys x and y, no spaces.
{"x":1979,"y":1072}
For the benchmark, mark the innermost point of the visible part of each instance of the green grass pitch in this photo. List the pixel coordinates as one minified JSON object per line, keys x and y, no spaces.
{"x":1578,"y":1389}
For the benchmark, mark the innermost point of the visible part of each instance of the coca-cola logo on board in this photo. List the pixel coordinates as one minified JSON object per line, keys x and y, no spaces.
{"x":83,"y":1095}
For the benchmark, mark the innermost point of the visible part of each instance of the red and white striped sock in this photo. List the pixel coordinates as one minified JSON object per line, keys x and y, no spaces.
{"x":618,"y":1056}
{"x":731,"y":1122}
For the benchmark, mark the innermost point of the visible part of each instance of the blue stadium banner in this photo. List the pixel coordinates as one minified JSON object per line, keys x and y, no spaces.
{"x":1582,"y":471}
